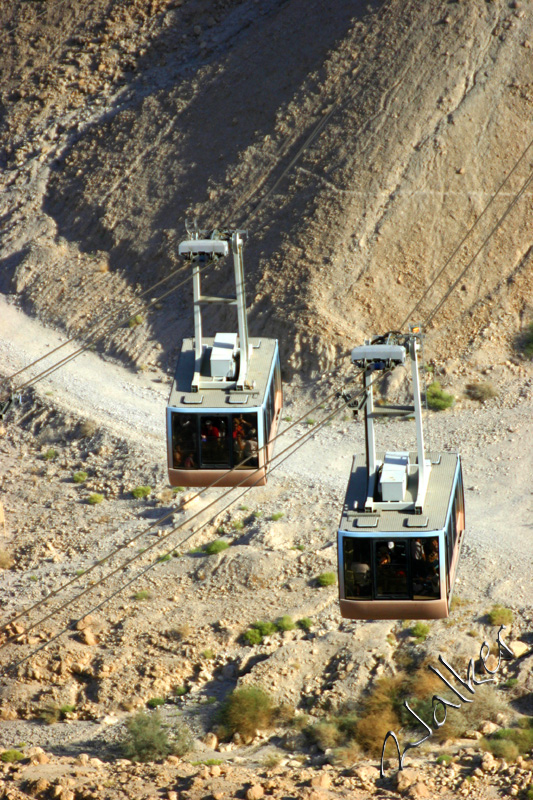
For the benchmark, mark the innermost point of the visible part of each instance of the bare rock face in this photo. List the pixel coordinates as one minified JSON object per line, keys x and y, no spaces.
{"x":406,"y":778}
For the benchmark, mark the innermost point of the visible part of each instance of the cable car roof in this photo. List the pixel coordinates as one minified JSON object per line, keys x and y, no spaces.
{"x":400,"y":520}
{"x":259,"y":370}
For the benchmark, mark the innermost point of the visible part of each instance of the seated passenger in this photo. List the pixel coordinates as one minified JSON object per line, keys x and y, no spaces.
{"x":189,"y":462}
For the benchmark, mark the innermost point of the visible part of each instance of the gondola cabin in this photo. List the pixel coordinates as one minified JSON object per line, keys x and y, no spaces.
{"x":403,"y":519}
{"x":226,"y":398}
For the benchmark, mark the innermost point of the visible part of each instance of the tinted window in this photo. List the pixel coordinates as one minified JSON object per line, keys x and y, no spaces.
{"x":357,"y":569}
{"x":391,"y":568}
{"x":215,"y":450}
{"x":184,"y":441}
{"x":425,"y":574}
{"x":245,"y":444}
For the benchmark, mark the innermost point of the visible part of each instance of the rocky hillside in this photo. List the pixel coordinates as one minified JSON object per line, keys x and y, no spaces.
{"x":357,"y":147}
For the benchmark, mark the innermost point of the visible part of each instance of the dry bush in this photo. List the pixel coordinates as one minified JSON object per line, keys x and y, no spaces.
{"x":481,"y":391}
{"x":372,"y":729}
{"x":499,"y":615}
{"x":325,"y":734}
{"x":6,"y":560}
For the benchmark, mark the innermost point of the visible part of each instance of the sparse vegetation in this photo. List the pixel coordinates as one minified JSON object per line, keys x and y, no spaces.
{"x":499,"y":615}
{"x":285,"y":623}
{"x":305,"y":623}
{"x":437,"y":398}
{"x":11,"y":756}
{"x":79,"y":477}
{"x":50,"y":454}
{"x":6,"y":560}
{"x":238,"y":524}
{"x":144,"y":594}
{"x":481,"y":391}
{"x":138,"y":319}
{"x":208,"y":654}
{"x":52,"y":713}
{"x":445,"y":758}
{"x":252,"y":636}
{"x":155,"y":702}
{"x":147,"y":738}
{"x":247,"y":710}
{"x":166,"y":557}
{"x":420,"y":631}
{"x":509,"y":743}
{"x":179,"y":691}
{"x":215,"y":547}
{"x":326,"y":579}
{"x":178,"y":489}
{"x":141,"y":491}
{"x":276,"y":516}
{"x":510,"y":683}
{"x":94,"y":499}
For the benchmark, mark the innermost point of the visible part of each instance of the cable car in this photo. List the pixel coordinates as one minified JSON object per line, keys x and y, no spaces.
{"x":226,"y":397}
{"x":403,"y":520}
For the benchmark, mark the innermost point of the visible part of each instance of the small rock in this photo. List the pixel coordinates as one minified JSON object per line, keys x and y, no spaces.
{"x":488,"y":727}
{"x":321,"y":781}
{"x":473,"y":735}
{"x":255,"y":792}
{"x":366,"y":774}
{"x":86,"y":622}
{"x":82,"y":759}
{"x":88,"y":637}
{"x":172,"y":796}
{"x":418,"y":791}
{"x":406,"y":778}
{"x":40,"y":758}
{"x":211,"y":741}
{"x":519,"y":648}
{"x":215,"y":771}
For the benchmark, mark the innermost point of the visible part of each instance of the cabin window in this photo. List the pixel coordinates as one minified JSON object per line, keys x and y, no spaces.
{"x":391,"y":569}
{"x":425,"y":573}
{"x":357,"y":569}
{"x":215,"y":441}
{"x":245,"y":443}
{"x":184,"y":441}
{"x":380,"y":569}
{"x":215,"y":448}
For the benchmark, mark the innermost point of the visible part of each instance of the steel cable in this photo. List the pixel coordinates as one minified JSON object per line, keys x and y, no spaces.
{"x":292,"y":447}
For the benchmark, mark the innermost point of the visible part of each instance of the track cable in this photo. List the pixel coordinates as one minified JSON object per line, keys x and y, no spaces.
{"x":292,"y":448}
{"x":155,"y":524}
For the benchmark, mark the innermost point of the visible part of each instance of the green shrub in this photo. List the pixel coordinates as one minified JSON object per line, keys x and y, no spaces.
{"x":216,"y":547}
{"x":50,"y":454}
{"x":420,"y":631}
{"x":501,"y":748}
{"x":179,"y":691}
{"x":437,"y":398}
{"x":481,"y":391}
{"x":444,"y":759}
{"x":166,"y":557}
{"x":326,"y":579}
{"x":499,"y":615}
{"x":94,"y":499}
{"x":252,"y":636}
{"x":50,"y":714}
{"x":208,"y":654}
{"x":144,"y":594}
{"x":247,"y":710}
{"x":66,"y":709}
{"x":244,"y":508}
{"x":138,"y":319}
{"x":305,"y":623}
{"x":285,"y":623}
{"x":10,"y":756}
{"x":276,"y":516}
{"x":521,"y":736}
{"x":147,"y":738}
{"x":79,"y":573}
{"x":510,"y":683}
{"x":310,"y":421}
{"x":79,"y":477}
{"x":141,"y":491}
{"x":177,"y":489}
{"x":154,"y":702}
{"x":238,"y":524}
{"x":265,"y":628}
{"x":34,"y":578}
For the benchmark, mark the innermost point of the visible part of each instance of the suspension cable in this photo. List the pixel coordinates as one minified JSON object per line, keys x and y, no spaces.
{"x":501,"y":219}
{"x":465,"y":237}
{"x":157,"y":523}
{"x":292,"y":448}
